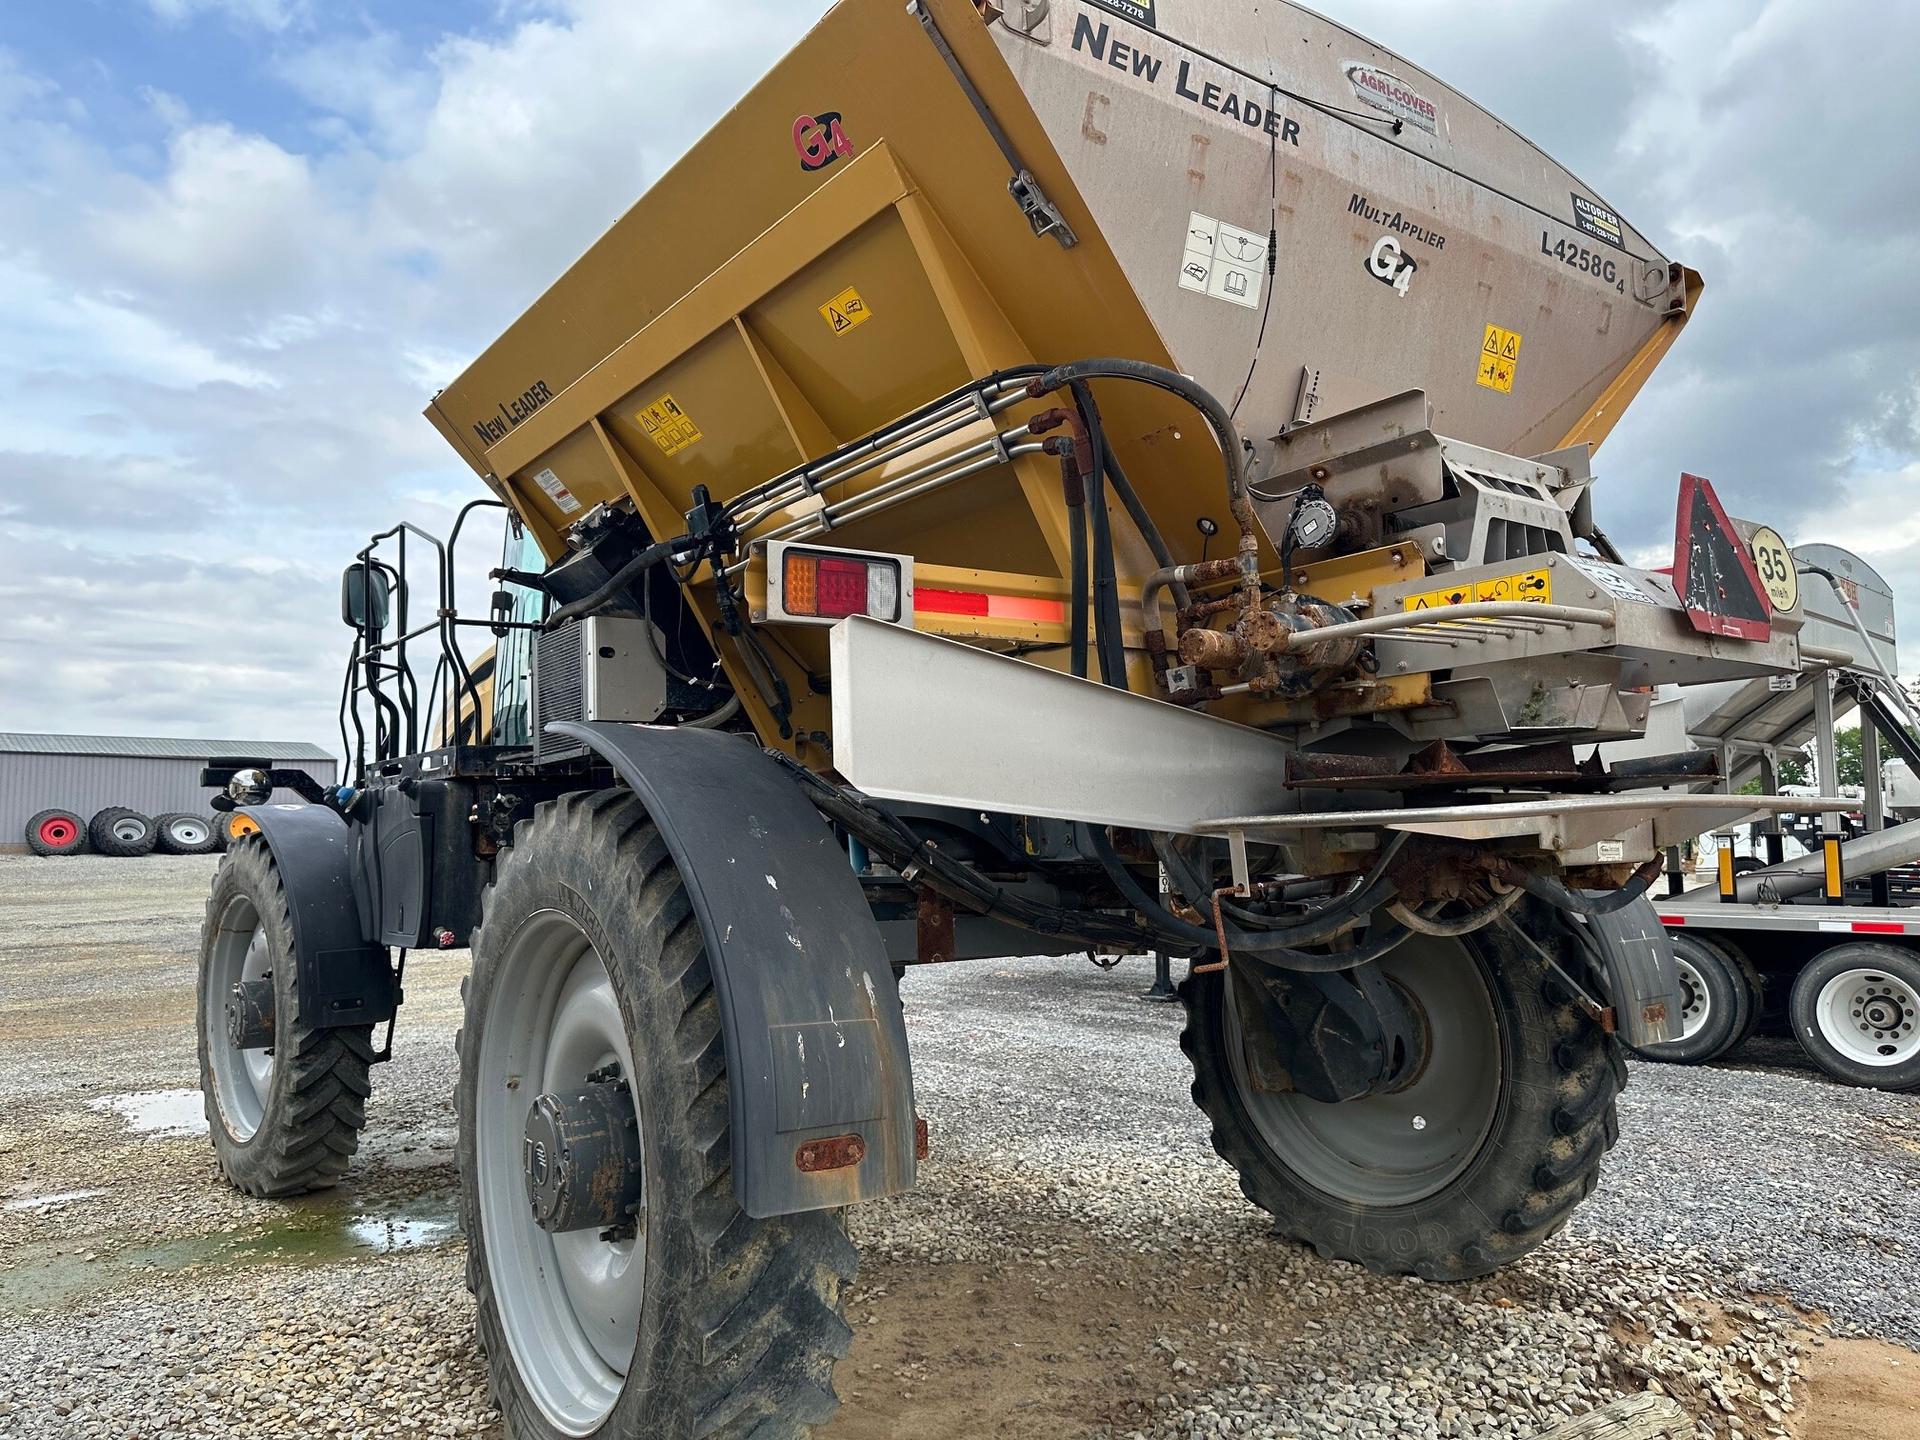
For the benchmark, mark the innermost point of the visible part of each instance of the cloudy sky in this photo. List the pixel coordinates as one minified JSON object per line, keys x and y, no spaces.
{"x":242,"y":241}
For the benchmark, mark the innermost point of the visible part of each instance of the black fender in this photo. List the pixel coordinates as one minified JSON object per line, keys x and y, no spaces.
{"x":344,"y":978}
{"x":816,"y":1040}
{"x":1635,"y":955}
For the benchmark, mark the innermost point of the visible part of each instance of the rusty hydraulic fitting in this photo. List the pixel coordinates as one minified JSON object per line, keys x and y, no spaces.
{"x":1047,"y":421}
{"x":1213,"y":649}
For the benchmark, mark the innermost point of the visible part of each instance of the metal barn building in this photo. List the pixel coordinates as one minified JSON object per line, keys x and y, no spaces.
{"x":87,"y":773}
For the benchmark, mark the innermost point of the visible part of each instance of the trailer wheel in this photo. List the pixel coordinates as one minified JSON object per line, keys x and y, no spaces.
{"x":1475,"y":1161}
{"x":184,"y":834}
{"x":1856,"y":1009}
{"x":122,"y":833}
{"x":1719,"y":1002}
{"x":56,"y":832}
{"x":285,"y":1102}
{"x":621,"y":1290}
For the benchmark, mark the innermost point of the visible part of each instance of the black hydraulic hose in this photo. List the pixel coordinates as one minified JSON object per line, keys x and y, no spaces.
{"x":1129,"y":497}
{"x":648,"y":558}
{"x":1546,"y":888}
{"x":1357,"y":902}
{"x":1077,"y":552}
{"x":1172,"y":381}
{"x":1258,"y":947}
{"x":1150,"y":532}
{"x":1106,"y":590}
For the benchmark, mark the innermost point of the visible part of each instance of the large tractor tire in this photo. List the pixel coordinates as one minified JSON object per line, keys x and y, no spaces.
{"x":1856,"y":1011}
{"x":56,"y":832}
{"x":122,"y":833}
{"x":285,"y":1101}
{"x":1720,"y":1002}
{"x":1474,"y":1161}
{"x":622,"y":1292}
{"x":183,"y":834}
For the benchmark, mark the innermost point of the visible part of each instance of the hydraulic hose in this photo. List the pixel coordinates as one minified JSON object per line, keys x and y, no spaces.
{"x":1465,"y":925}
{"x":1320,"y":926}
{"x":1076,"y":497}
{"x":1545,"y":887}
{"x":648,"y":558}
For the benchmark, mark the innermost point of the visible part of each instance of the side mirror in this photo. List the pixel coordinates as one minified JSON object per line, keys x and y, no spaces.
{"x":365,"y":598}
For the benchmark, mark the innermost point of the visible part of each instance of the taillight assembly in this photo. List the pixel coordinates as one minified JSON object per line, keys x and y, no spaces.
{"x":822,"y":586}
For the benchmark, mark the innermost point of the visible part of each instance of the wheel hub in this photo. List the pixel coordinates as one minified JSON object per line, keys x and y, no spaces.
{"x":581,"y":1160}
{"x":250,"y":1014}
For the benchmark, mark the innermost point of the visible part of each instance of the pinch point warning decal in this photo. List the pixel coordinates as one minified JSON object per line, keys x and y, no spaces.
{"x":1499,"y":359}
{"x":846,"y":311}
{"x":668,"y":426}
{"x":1531,"y":587}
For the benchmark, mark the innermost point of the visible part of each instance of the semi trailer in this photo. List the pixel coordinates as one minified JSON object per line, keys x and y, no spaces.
{"x":1823,"y":945}
{"x":1024,"y":450}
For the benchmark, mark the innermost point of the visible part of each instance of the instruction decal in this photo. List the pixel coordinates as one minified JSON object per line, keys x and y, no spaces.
{"x":1533,"y":587}
{"x":668,"y":426}
{"x":1499,"y":359}
{"x":1223,"y":261}
{"x":1611,"y":580}
{"x":557,"y":492}
{"x":1778,"y":574}
{"x":1138,"y":11}
{"x":846,"y":312}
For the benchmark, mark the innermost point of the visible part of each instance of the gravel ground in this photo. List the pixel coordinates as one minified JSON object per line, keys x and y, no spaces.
{"x":1076,"y":1262}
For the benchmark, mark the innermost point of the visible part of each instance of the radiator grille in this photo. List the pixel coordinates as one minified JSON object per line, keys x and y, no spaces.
{"x":559,"y":687}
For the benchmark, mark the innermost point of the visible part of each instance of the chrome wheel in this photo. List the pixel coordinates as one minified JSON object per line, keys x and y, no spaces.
{"x":569,"y":1303}
{"x":242,"y":1077}
{"x":1411,"y":1143}
{"x":1871,"y":1017}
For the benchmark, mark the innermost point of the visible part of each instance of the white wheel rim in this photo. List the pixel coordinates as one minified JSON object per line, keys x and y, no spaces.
{"x":569,"y":1304}
{"x":1696,"y":1001}
{"x":189,"y":832}
{"x":242,"y":1079}
{"x":1872,"y":1017}
{"x":129,"y":830}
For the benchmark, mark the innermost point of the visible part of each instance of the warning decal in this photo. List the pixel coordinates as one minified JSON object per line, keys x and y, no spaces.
{"x":1499,"y":359}
{"x":846,"y":311}
{"x":1532,"y":586}
{"x":668,"y":426}
{"x":1223,"y":261}
{"x":557,"y":492}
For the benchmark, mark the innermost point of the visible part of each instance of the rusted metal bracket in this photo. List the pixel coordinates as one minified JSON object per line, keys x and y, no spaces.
{"x":933,"y":929}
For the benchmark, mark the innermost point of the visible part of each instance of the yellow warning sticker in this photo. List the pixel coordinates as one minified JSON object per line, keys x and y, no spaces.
{"x":668,"y":426}
{"x":1499,"y":359}
{"x":1776,"y":568}
{"x":846,"y":311}
{"x":1532,"y":587}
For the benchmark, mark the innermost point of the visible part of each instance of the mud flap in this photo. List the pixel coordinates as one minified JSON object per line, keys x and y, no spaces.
{"x":344,"y":978}
{"x":1642,"y":980}
{"x":816,"y":1042}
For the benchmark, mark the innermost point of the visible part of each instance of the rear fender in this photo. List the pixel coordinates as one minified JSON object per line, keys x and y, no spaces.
{"x":343,"y":978}
{"x":816,"y":1041}
{"x":1642,"y":980}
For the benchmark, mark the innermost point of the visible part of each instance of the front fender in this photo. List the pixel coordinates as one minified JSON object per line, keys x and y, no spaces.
{"x":344,"y":978}
{"x":816,"y":1041}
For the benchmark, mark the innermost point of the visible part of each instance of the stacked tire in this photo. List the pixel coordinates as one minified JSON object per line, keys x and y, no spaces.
{"x":56,"y":832}
{"x":124,"y":833}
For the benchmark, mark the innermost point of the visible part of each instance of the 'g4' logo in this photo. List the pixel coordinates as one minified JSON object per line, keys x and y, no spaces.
{"x":1390,"y":265}
{"x":820,"y":140}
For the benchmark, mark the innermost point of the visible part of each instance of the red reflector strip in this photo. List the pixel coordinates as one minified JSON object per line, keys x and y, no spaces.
{"x":949,"y":602}
{"x":932,"y":601}
{"x":1673,"y":919}
{"x":1878,"y":927}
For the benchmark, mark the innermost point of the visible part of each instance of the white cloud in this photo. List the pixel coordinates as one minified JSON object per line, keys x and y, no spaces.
{"x":263,"y":14}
